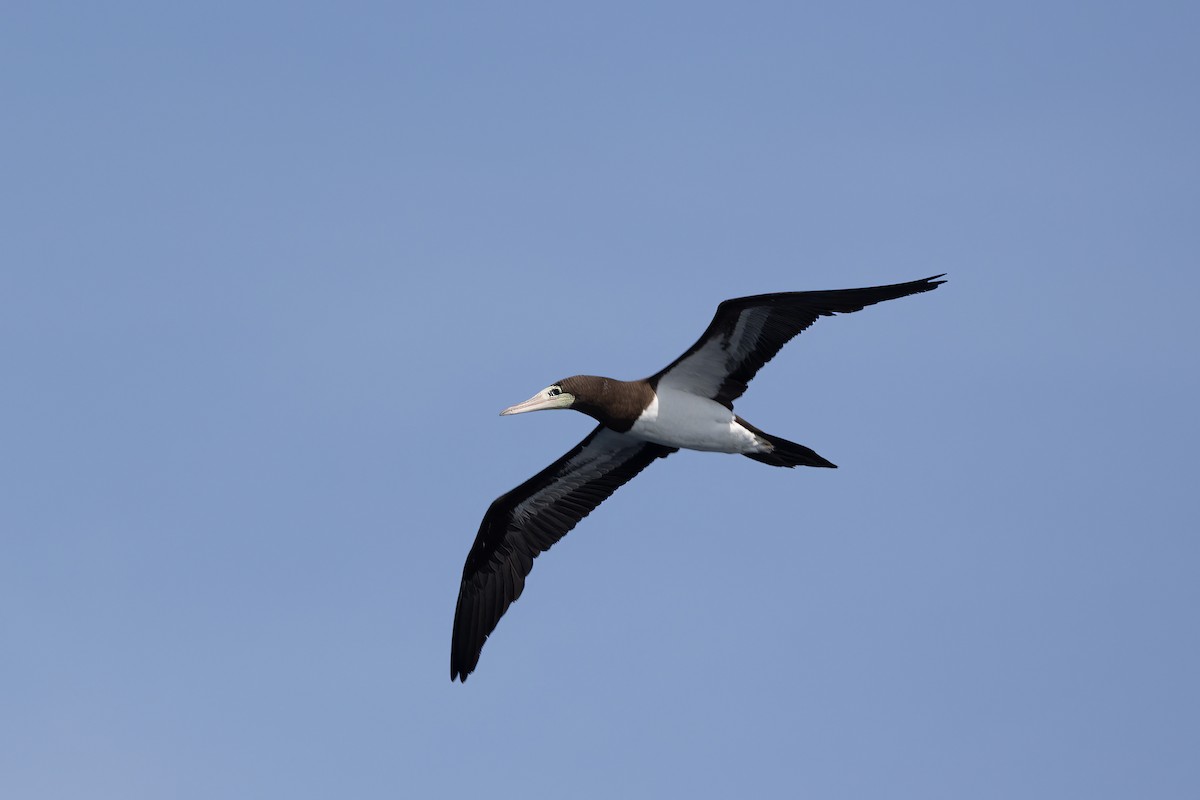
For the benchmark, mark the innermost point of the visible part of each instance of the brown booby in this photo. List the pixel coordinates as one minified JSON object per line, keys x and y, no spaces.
{"x":688,"y":404}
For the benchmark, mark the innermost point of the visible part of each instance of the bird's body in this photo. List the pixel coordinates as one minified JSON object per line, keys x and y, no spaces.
{"x":687,"y":405}
{"x":676,"y":418}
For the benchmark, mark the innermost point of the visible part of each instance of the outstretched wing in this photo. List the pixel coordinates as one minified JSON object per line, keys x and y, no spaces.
{"x":747,"y":332}
{"x":528,"y":520}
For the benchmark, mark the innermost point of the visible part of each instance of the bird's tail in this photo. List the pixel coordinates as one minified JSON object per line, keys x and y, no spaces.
{"x":784,"y":453}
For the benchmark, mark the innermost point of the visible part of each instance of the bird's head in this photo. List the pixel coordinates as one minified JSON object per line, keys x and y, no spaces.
{"x":556,"y":395}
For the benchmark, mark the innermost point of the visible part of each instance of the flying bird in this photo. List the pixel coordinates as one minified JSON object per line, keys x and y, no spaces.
{"x":689,"y":404}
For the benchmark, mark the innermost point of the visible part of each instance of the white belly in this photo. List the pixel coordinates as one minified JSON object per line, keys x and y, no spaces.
{"x":681,"y":419}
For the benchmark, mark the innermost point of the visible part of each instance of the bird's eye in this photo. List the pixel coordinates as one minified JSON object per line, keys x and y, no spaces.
{"x":554,"y":391}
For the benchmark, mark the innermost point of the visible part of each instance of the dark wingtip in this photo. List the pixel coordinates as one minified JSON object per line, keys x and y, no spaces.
{"x":460,"y":666}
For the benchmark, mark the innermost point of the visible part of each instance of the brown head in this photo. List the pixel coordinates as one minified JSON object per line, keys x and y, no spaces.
{"x":615,"y":403}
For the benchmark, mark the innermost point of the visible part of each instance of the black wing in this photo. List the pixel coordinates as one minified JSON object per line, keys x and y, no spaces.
{"x":747,"y":332}
{"x":528,"y":520}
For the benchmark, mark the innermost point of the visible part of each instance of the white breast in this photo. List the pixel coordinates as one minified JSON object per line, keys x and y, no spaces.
{"x":682,"y":419}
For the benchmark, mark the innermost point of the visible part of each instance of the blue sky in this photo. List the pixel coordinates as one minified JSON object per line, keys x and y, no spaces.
{"x":271,"y":270}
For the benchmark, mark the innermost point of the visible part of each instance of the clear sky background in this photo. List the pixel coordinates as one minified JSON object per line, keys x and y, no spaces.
{"x":269,"y":271}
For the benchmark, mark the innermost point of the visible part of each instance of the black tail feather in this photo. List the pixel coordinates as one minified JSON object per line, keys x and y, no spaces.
{"x":784,"y":453}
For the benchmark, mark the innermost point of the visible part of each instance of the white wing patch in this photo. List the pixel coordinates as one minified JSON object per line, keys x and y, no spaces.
{"x":704,"y":371}
{"x":605,"y":452}
{"x":746,"y":332}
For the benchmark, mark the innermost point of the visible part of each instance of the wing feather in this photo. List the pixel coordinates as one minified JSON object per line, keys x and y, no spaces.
{"x":747,"y":332}
{"x":527,"y":521}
